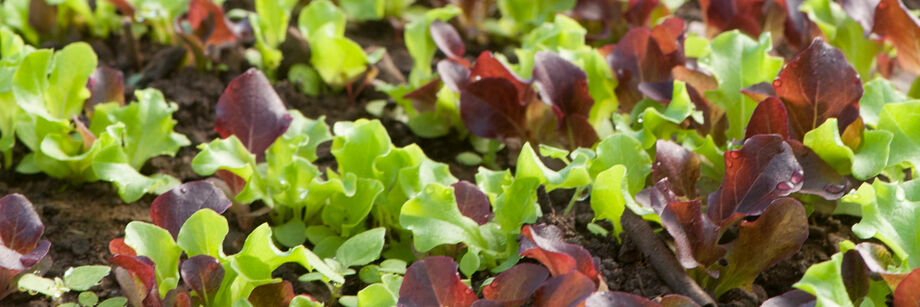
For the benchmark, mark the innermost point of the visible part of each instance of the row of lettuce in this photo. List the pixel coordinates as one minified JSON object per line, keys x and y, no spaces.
{"x":719,"y":122}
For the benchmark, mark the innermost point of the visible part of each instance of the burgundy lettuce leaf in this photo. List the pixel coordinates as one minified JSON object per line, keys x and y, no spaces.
{"x":565,"y":87}
{"x":616,"y":298}
{"x":516,"y":285}
{"x":118,"y":247}
{"x":907,"y":294}
{"x":863,"y":11}
{"x":137,"y":278}
{"x":695,"y":235}
{"x":251,"y":110}
{"x":798,"y":30}
{"x":448,"y":40}
{"x":569,"y":289}
{"x":646,"y":56}
{"x":820,"y":178}
{"x":489,"y":108}
{"x":545,"y":243}
{"x":764,"y":169}
{"x":425,"y":98}
{"x":171,"y":209}
{"x":897,"y":25}
{"x":878,"y":260}
{"x":203,"y":274}
{"x":434,"y":282}
{"x":855,"y":275}
{"x":775,"y":236}
{"x":272,"y":295}
{"x":209,"y":23}
{"x":679,"y":165}
{"x":816,"y":85}
{"x":487,"y":66}
{"x":792,"y":298}
{"x":456,"y":76}
{"x":178,"y":297}
{"x":725,"y":15}
{"x":106,"y":84}
{"x":759,"y":91}
{"x":472,"y":202}
{"x":639,"y":12}
{"x":769,"y":118}
{"x":20,"y":234}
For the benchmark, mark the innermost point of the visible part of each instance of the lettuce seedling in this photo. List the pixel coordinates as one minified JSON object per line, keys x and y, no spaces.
{"x":21,"y":247}
{"x":566,"y":276}
{"x":151,"y":264}
{"x":339,"y":61}
{"x":205,"y":30}
{"x":80,"y":278}
{"x":270,"y":25}
{"x":12,"y":51}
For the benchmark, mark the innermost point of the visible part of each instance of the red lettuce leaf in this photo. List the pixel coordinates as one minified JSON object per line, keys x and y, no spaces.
{"x":816,"y":85}
{"x":897,"y":25}
{"x":769,"y":118}
{"x":20,"y":234}
{"x":434,"y":282}
{"x":639,"y":12}
{"x":137,"y":278}
{"x":759,"y":91}
{"x":272,"y":295}
{"x":695,"y":235}
{"x":171,"y":209}
{"x":545,"y":244}
{"x":425,"y":97}
{"x":118,"y":247}
{"x":774,"y":236}
{"x":106,"y":84}
{"x":203,"y":274}
{"x":565,"y":87}
{"x":208,"y":22}
{"x":725,"y":15}
{"x":863,"y":11}
{"x":472,"y":202}
{"x":251,"y":109}
{"x":798,"y":29}
{"x":490,"y":109}
{"x":764,"y":169}
{"x":679,"y":165}
{"x":487,"y":66}
{"x":448,"y":40}
{"x":569,"y":289}
{"x":792,"y":298}
{"x":907,"y":294}
{"x":643,"y":56}
{"x":516,"y":285}
{"x":855,"y":275}
{"x":455,"y":76}
{"x":177,"y":298}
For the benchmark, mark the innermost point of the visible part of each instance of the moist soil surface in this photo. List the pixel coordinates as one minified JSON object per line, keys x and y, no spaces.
{"x":81,"y":219}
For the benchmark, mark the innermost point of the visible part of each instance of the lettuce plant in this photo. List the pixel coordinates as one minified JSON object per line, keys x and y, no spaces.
{"x":21,"y":247}
{"x":80,"y":278}
{"x":566,"y":276}
{"x":337,"y":60}
{"x":269,"y":25}
{"x":49,"y":90}
{"x":187,"y":222}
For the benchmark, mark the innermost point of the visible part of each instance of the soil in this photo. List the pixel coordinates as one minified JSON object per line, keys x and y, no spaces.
{"x":80,"y":219}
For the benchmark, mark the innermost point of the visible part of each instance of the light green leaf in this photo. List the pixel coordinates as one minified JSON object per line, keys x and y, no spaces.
{"x":84,"y":277}
{"x":365,"y":9}
{"x":902,"y":119}
{"x":890,"y":214}
{"x":622,"y":149}
{"x":434,"y":219}
{"x":737,"y":61}
{"x":203,"y":234}
{"x":843,"y":32}
{"x":46,"y":286}
{"x":362,"y":248}
{"x":157,"y":244}
{"x":877,"y":93}
{"x":317,"y":15}
{"x":376,"y":295}
{"x":420,"y":44}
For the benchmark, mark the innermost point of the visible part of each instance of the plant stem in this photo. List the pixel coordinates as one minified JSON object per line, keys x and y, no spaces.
{"x":663,"y":260}
{"x":572,"y":201}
